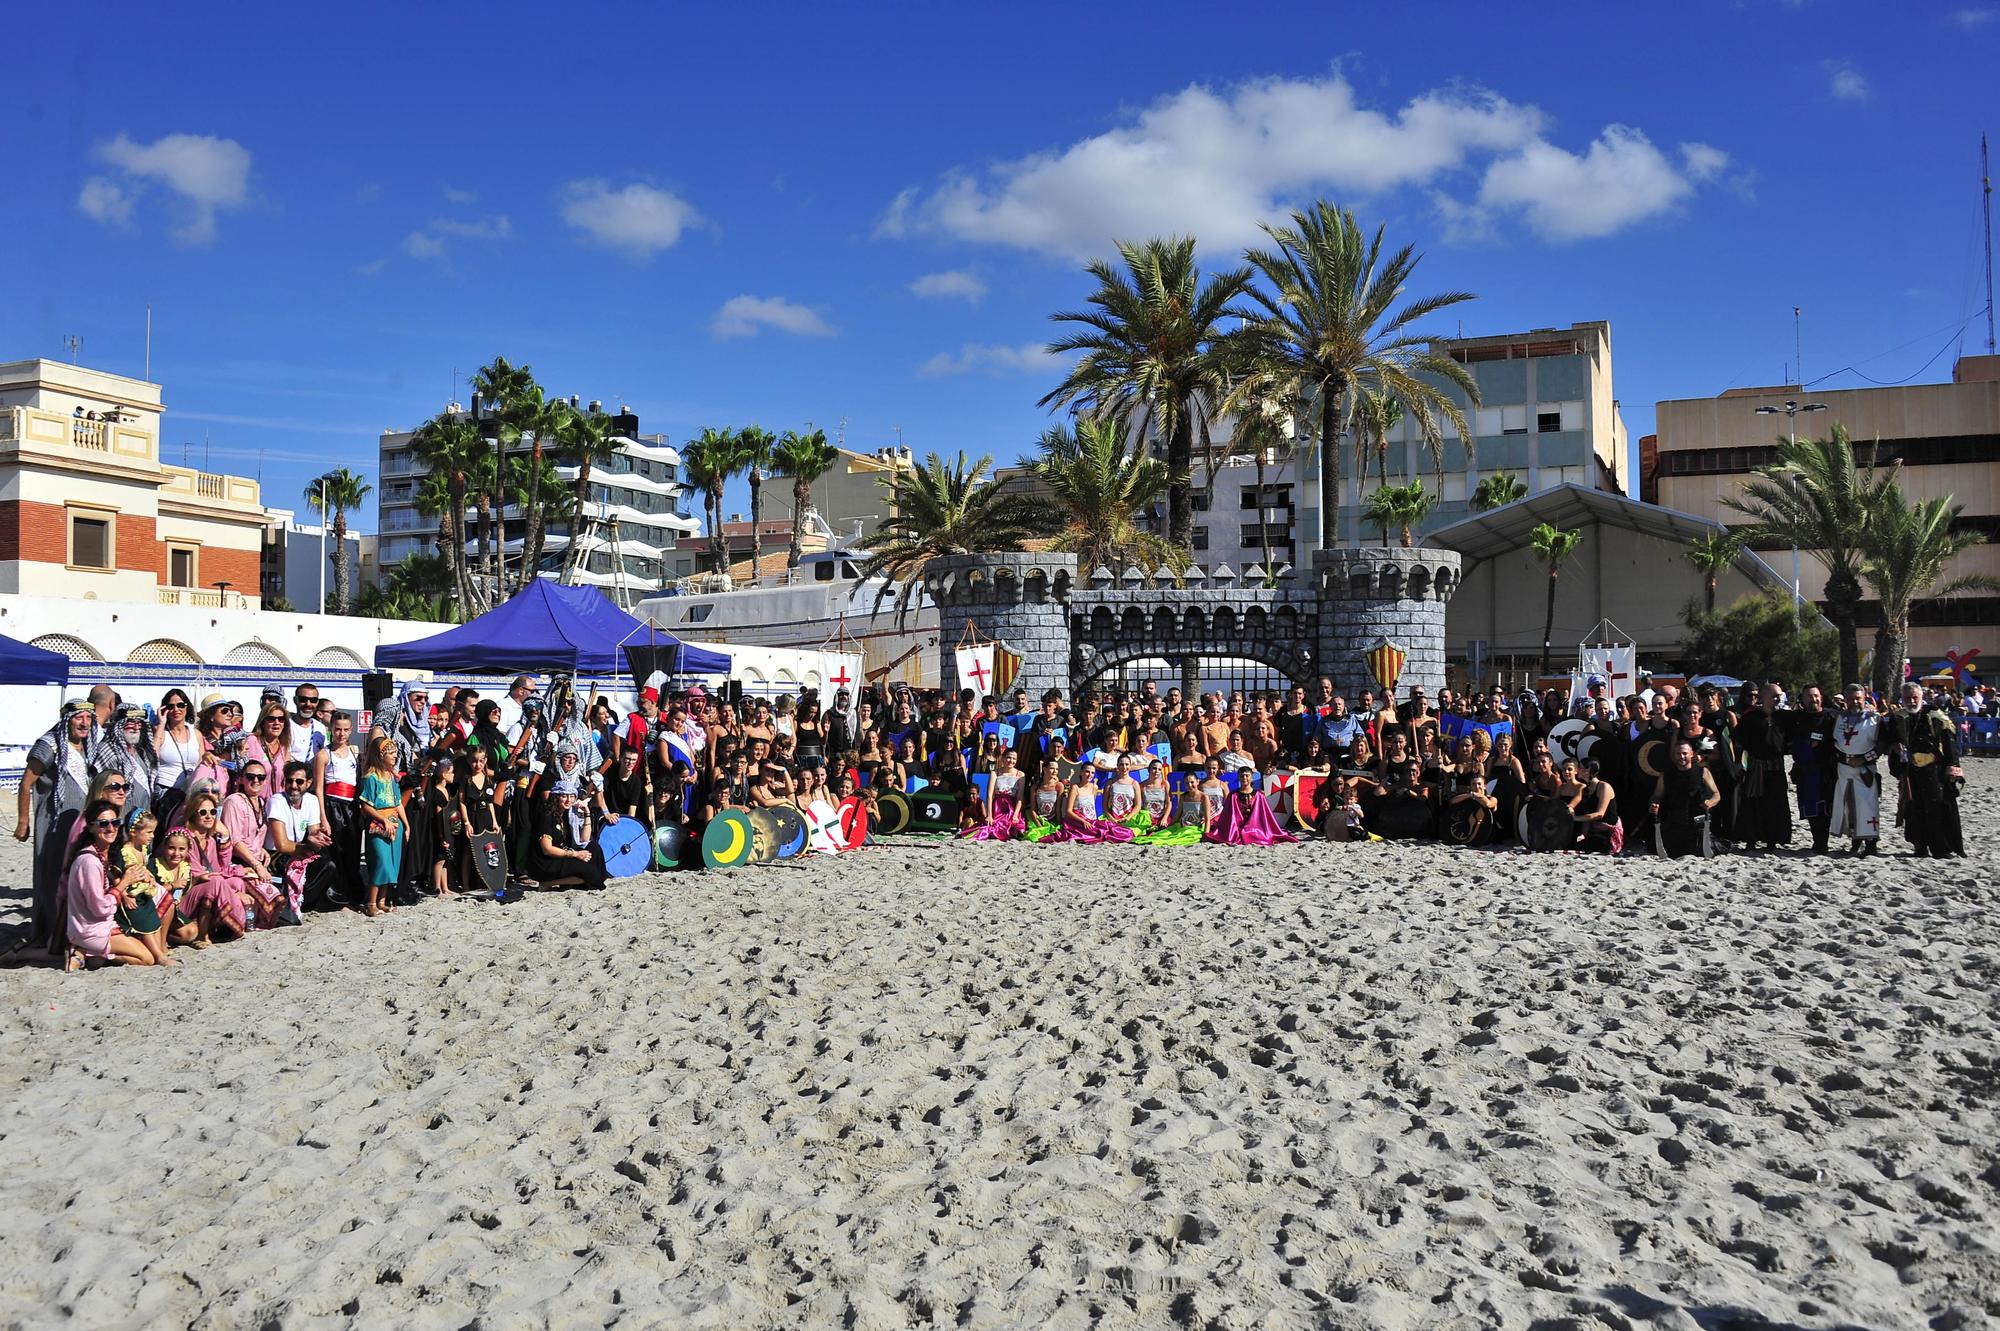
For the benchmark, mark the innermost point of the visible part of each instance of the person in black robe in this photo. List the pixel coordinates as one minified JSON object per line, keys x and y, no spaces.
{"x":1923,"y":756}
{"x":565,"y":852}
{"x":1763,"y":811}
{"x":1683,"y":795}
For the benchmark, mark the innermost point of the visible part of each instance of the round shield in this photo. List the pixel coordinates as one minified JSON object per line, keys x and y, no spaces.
{"x":1652,"y":753}
{"x":1564,"y":738}
{"x":669,"y":842}
{"x":1403,"y":818}
{"x":1585,"y":745}
{"x":823,"y":834}
{"x":894,"y":816}
{"x":1550,"y":824}
{"x":726,"y":843}
{"x":853,"y":823}
{"x":627,"y":847}
{"x":766,"y":837}
{"x":792,"y":831}
{"x":1467,"y":823}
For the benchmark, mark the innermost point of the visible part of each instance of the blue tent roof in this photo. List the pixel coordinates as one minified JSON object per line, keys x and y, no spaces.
{"x":546,"y":627}
{"x":22,"y":664}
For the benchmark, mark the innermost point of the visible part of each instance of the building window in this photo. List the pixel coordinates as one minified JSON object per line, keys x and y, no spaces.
{"x":1200,"y":541}
{"x":1514,"y":420}
{"x":90,"y":541}
{"x":1548,"y":422}
{"x":182,"y":570}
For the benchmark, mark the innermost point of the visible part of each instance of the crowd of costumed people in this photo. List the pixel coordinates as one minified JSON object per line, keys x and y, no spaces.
{"x":189,"y":824}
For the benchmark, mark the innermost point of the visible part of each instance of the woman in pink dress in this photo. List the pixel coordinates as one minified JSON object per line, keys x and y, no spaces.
{"x":218,"y":894}
{"x":90,"y":902}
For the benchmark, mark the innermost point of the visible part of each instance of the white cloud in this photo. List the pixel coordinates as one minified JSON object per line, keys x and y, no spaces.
{"x":496,"y":227}
{"x":209,"y":175}
{"x":1620,"y":180}
{"x":1974,"y":18}
{"x":1214,"y":164}
{"x":956,"y":284}
{"x":103,"y":201}
{"x":745,"y":316}
{"x":460,"y":197}
{"x":983,"y":358}
{"x":418,"y":245}
{"x":372,"y":267}
{"x":1846,"y":83}
{"x":638,"y":219}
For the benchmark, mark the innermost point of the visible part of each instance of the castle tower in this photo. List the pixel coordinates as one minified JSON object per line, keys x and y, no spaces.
{"x":1021,"y":599}
{"x":1393,"y":593}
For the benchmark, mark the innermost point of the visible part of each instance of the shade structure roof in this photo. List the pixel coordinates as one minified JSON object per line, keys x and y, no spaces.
{"x":21,"y":663}
{"x":546,"y":627}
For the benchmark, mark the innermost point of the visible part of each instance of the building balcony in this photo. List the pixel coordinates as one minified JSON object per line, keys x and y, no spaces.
{"x":77,"y":441}
{"x":195,"y":597}
{"x":211,"y":494}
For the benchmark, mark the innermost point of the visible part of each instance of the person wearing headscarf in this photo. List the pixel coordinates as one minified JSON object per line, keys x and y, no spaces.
{"x":126,"y":747}
{"x":564,"y":854}
{"x":411,"y":728}
{"x":53,"y":792}
{"x":566,"y":725}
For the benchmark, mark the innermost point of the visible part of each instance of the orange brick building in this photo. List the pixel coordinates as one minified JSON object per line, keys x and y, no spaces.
{"x":88,"y":510}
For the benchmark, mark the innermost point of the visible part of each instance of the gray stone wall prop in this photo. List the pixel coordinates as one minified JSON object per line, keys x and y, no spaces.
{"x":1075,"y":626}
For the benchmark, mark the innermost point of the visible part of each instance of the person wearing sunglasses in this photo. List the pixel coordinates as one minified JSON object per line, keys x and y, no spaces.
{"x":218,"y":897}
{"x":243,"y":817}
{"x":91,"y":900}
{"x":177,"y":751}
{"x":54,"y":791}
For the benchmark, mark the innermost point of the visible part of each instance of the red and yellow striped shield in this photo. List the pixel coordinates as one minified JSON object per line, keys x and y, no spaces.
{"x":1006,"y":665}
{"x":1385,"y":662}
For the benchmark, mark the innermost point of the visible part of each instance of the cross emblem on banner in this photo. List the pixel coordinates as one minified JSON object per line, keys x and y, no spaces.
{"x":1608,"y":667}
{"x":980,"y":673}
{"x":843,"y":679}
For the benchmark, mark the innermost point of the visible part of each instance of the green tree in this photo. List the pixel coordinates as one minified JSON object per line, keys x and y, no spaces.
{"x":450,"y":448}
{"x":1553,"y":547}
{"x":1099,"y":491}
{"x":588,"y":440}
{"x":1400,"y":508}
{"x":1908,"y":548}
{"x":709,"y":460}
{"x":419,"y":588}
{"x":1374,"y":418}
{"x":1153,"y":355}
{"x":1818,"y":497}
{"x":1264,"y":426}
{"x":543,"y":420}
{"x":1496,"y":491}
{"x":753,"y":457}
{"x":1757,"y":639}
{"x":337,"y":492}
{"x":805,"y":458}
{"x":500,"y":384}
{"x":1712,"y":555}
{"x":943,"y":508}
{"x":1330,"y":335}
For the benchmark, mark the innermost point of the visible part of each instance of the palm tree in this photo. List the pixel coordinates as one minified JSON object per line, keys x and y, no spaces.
{"x":1265,"y":427}
{"x":587,"y":440}
{"x":1908,"y":548}
{"x":943,"y":508}
{"x":337,"y":492}
{"x":450,"y":447}
{"x":434,"y":500}
{"x":1328,"y":334}
{"x":1552,"y":546}
{"x":546,"y":420}
{"x":1817,"y":497}
{"x":1402,"y":507}
{"x":709,"y":460}
{"x":805,"y":458}
{"x":1711,"y":554}
{"x":1497,"y":491}
{"x":1098,"y":491}
{"x":501,"y":384}
{"x":754,"y":444}
{"x":1374,"y":417}
{"x":1153,"y":353}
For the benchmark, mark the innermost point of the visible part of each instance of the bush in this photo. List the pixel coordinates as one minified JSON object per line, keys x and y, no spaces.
{"x":1755,"y":639}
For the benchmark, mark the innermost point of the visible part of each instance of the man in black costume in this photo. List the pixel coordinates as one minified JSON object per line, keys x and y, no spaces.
{"x":1923,"y":749}
{"x":1763,"y":813}
{"x":1682,"y":797}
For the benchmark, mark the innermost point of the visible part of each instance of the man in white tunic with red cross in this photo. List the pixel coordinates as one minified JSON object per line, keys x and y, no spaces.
{"x":1857,"y":790}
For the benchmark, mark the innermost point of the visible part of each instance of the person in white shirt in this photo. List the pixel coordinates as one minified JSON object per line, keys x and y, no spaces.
{"x":293,"y":823}
{"x":510,"y":702}
{"x":308,"y":734}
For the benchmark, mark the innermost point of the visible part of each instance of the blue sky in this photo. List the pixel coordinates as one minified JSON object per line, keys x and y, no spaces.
{"x":790,"y":214}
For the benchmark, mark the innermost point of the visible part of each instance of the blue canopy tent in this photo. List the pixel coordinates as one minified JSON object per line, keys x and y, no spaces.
{"x":547,"y":627}
{"x":22,"y":664}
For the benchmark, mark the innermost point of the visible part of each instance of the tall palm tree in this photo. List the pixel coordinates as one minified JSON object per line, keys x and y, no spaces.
{"x":1711,"y":555}
{"x":587,"y":440}
{"x":337,"y":492}
{"x":1908,"y":548}
{"x":501,"y":384}
{"x":545,"y":420}
{"x":1496,"y":491}
{"x":1374,"y":418}
{"x":1153,"y":355}
{"x":805,"y":458}
{"x":433,"y":500}
{"x":942,"y":508}
{"x":1265,"y":428}
{"x":1818,"y":497}
{"x":1329,"y":334}
{"x":1401,"y":507}
{"x":753,"y":455}
{"x":1553,"y":546}
{"x":450,"y":447}
{"x":709,"y":460}
{"x":1098,"y":491}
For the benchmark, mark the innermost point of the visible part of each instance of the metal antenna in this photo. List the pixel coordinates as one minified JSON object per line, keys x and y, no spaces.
{"x":1986,"y":213}
{"x":74,"y":342}
{"x":1798,"y":347}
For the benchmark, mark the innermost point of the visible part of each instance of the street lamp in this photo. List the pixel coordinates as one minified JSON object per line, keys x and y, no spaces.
{"x":1791,"y":412}
{"x":222,"y":594}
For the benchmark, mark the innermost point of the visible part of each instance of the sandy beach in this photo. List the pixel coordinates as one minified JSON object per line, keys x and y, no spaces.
{"x":985,"y":1086}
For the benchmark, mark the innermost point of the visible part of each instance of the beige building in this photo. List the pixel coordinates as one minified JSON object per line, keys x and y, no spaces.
{"x":1947,"y":437}
{"x":855,"y":491}
{"x":89,"y":512}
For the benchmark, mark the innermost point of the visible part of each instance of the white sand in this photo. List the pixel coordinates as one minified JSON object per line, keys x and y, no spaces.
{"x":1369,"y":1087}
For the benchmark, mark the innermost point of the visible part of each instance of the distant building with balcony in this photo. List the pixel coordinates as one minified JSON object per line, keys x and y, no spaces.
{"x":637,"y":495}
{"x":88,"y":511}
